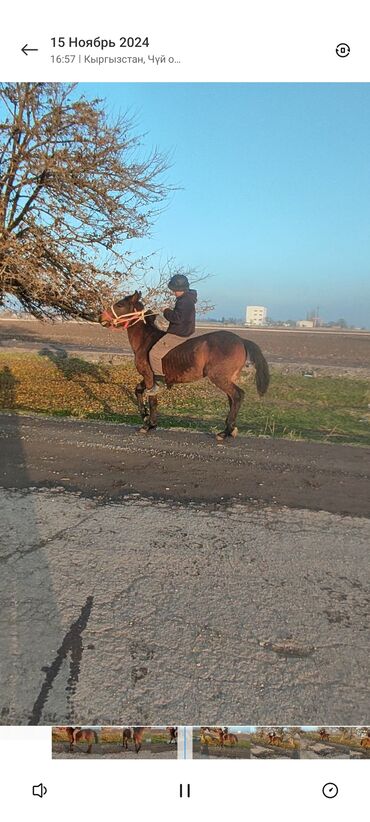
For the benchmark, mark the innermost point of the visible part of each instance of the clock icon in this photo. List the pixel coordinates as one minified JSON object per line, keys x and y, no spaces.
{"x":330,"y":790}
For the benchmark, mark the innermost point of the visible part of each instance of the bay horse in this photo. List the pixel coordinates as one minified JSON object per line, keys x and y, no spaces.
{"x":126,"y":735}
{"x":219,"y":355}
{"x":323,"y":734}
{"x":81,"y":735}
{"x":275,"y":738}
{"x":220,"y":736}
{"x":70,"y":734}
{"x":227,"y":738}
{"x":173,"y":734}
{"x":136,"y":734}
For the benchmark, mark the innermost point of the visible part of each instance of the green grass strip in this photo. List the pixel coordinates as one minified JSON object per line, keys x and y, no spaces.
{"x":330,"y":409}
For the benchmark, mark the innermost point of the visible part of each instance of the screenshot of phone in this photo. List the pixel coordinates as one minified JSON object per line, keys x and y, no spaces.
{"x":185,"y":410}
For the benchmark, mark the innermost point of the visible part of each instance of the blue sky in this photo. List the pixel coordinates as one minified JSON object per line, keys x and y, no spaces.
{"x":275,"y":190}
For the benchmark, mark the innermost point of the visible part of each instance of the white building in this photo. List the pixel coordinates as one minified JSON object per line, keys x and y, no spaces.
{"x":305,"y":324}
{"x":256,"y":315}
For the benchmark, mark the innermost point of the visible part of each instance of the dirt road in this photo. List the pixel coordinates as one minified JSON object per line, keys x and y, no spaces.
{"x":114,"y":751}
{"x":211,"y":752}
{"x":310,"y":749}
{"x":154,"y":581}
{"x":110,"y":461}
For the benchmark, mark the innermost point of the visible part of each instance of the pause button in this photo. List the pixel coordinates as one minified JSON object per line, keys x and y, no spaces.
{"x":182,"y":790}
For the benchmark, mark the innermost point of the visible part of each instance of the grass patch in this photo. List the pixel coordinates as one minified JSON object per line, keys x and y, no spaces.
{"x":330,"y":409}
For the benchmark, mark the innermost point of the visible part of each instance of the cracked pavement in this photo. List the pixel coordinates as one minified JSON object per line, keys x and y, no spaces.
{"x":125,"y":607}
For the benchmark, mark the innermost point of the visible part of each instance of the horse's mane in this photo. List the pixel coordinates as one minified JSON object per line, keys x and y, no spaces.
{"x":154,"y":333}
{"x":149,"y":317}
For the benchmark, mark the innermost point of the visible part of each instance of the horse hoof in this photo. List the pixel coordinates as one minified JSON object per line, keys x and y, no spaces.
{"x":143,"y":430}
{"x":234,"y":432}
{"x":220,"y":437}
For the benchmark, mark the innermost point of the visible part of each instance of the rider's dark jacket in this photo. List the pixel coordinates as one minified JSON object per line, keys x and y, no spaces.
{"x":182,"y":316}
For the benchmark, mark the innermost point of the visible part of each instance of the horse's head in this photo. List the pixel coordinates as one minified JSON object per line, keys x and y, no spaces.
{"x":123,"y":313}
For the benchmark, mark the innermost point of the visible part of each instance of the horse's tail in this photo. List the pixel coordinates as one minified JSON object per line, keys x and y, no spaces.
{"x":96,"y":737}
{"x":262,"y":370}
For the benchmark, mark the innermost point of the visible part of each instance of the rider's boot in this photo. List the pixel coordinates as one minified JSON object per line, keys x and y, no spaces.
{"x":156,"y":389}
{"x":152,"y":392}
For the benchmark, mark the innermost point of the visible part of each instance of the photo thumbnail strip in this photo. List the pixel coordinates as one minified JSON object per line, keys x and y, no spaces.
{"x":115,"y":742}
{"x":211,"y":742}
{"x":281,"y":742}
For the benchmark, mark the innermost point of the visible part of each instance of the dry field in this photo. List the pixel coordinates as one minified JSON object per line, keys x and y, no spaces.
{"x":339,"y":349}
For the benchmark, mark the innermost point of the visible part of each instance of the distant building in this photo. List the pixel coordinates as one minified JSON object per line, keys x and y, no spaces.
{"x":256,"y":315}
{"x":306,"y":324}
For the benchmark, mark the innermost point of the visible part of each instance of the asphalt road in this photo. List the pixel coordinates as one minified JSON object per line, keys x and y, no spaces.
{"x":154,"y":581}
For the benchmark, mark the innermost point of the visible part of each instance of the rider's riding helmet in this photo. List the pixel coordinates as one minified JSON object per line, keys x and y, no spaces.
{"x":179,"y":283}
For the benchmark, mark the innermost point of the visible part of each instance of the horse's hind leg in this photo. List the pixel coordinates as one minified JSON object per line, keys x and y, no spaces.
{"x":235,"y":397}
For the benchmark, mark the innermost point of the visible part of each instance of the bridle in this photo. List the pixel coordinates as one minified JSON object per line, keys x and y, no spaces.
{"x":130,"y":319}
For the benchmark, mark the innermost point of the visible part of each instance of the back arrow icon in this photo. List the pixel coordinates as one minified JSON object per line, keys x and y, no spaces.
{"x":26,"y":49}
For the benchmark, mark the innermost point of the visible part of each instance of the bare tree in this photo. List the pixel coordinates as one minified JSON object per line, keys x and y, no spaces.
{"x":72,"y":191}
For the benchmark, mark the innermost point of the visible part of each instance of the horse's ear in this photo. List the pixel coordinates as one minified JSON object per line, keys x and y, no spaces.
{"x":136,"y":297}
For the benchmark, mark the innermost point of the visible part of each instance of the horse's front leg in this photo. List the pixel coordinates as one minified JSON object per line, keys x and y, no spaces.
{"x":143,"y":367}
{"x":142,"y":406}
{"x":148,"y":414}
{"x":150,"y":418}
{"x":153,"y":412}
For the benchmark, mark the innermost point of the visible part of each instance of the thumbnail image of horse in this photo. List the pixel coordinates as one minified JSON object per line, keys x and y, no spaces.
{"x":126,"y":735}
{"x":274,"y":738}
{"x":79,"y":734}
{"x":134,"y":734}
{"x":172,"y":730}
{"x":209,"y":735}
{"x":217,"y":736}
{"x":218,"y":355}
{"x":227,"y":738}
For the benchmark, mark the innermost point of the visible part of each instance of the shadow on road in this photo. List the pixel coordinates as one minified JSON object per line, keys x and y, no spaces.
{"x":30,"y":625}
{"x":8,"y":383}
